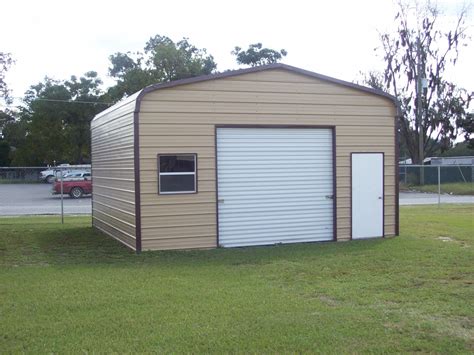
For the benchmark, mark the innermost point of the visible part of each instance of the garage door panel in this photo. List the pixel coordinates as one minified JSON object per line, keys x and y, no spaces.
{"x":295,"y":151}
{"x":242,"y":212}
{"x":296,"y":208}
{"x":255,"y":202}
{"x":251,"y":188}
{"x":283,"y":230}
{"x":284,"y":238}
{"x":259,"y":218}
{"x":317,"y":192}
{"x":275,"y":185}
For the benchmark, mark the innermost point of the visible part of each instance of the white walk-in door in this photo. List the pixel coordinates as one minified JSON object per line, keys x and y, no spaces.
{"x":367,"y":195}
{"x":275,"y":185}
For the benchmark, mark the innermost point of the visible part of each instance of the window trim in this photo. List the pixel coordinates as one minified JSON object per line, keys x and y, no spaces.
{"x":195,"y":173}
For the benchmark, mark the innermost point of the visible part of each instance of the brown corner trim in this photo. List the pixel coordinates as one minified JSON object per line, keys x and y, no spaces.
{"x":334,"y":185}
{"x":136,"y":166}
{"x":397,"y":174}
{"x":92,"y":180}
{"x":217,"y":186}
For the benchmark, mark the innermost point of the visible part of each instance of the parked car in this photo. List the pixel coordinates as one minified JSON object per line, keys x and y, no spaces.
{"x":50,"y":175}
{"x":80,"y":175}
{"x":76,"y":187}
{"x":54,"y":172}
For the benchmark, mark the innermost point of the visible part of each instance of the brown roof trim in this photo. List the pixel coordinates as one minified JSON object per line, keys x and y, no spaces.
{"x":231,"y":73}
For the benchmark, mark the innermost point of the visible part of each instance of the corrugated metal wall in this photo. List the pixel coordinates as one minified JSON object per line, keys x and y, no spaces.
{"x":112,"y":145}
{"x":182,"y":119}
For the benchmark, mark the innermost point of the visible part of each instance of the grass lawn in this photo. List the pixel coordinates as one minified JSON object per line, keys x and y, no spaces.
{"x":18,"y":181}
{"x":70,"y":289}
{"x":455,"y":188}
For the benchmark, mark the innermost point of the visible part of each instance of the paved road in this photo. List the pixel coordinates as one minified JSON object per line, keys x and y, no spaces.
{"x":419,"y":198}
{"x":26,"y":199}
{"x":29,"y":199}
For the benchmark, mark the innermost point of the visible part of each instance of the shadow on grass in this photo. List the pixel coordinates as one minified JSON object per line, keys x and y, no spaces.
{"x":72,"y":244}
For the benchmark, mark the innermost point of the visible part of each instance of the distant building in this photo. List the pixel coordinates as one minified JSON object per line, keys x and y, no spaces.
{"x":467,"y":160}
{"x":451,"y":161}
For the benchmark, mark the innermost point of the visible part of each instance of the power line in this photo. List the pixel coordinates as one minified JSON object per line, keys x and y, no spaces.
{"x":67,"y":101}
{"x":75,"y":101}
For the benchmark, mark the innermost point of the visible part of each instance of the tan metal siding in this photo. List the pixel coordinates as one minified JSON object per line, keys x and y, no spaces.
{"x":182,"y":120}
{"x":112,"y":145}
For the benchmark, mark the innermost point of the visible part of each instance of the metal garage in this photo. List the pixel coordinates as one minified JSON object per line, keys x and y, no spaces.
{"x":259,"y":156}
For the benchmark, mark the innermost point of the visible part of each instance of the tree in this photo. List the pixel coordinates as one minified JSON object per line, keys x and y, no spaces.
{"x":85,"y":94}
{"x":54,"y":124}
{"x":6,"y":115}
{"x":374,"y":79}
{"x":256,"y":55}
{"x":4,"y":153}
{"x":416,"y":58}
{"x":460,"y":149}
{"x":6,"y":62}
{"x":162,"y":61}
{"x":467,"y":125}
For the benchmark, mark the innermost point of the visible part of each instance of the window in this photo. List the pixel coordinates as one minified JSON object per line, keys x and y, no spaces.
{"x":177,"y":174}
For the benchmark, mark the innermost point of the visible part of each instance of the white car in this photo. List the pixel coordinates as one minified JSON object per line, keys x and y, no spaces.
{"x":77,"y":175}
{"x":51,"y":174}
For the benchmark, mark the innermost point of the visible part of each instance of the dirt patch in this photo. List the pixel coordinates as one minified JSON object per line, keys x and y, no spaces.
{"x":446,"y":239}
{"x":328,"y":300}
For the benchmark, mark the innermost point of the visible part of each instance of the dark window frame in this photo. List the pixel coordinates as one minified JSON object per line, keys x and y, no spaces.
{"x":195,"y":173}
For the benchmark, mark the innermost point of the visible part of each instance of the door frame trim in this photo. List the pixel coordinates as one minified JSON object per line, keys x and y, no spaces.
{"x":383,"y":190}
{"x":334,"y":180}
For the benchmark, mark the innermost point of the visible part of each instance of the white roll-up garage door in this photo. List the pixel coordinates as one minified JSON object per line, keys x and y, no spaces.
{"x":275,"y":185}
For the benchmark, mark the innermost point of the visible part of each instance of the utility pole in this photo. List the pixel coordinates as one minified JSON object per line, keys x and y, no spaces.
{"x":419,"y":108}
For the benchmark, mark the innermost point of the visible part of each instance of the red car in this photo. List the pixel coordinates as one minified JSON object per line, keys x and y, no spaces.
{"x":75,"y":187}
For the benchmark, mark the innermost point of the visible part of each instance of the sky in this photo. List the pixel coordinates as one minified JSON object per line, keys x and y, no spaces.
{"x":336,"y":38}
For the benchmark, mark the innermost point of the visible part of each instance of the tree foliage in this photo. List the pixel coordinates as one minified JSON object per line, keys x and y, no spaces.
{"x":54,"y":124}
{"x":257,"y":55}
{"x":419,"y":51}
{"x":161,"y":61}
{"x":6,"y":62}
{"x":467,"y":125}
{"x":374,"y":79}
{"x":4,"y":153}
{"x":6,"y":115}
{"x":459,"y":149}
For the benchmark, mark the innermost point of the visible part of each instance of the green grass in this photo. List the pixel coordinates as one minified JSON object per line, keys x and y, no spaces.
{"x":70,"y":289}
{"x":455,"y":188}
{"x":19,"y":181}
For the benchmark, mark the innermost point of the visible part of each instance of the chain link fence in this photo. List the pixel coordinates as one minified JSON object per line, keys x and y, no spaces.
{"x":59,"y":190}
{"x":438,"y":182}
{"x":38,"y":190}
